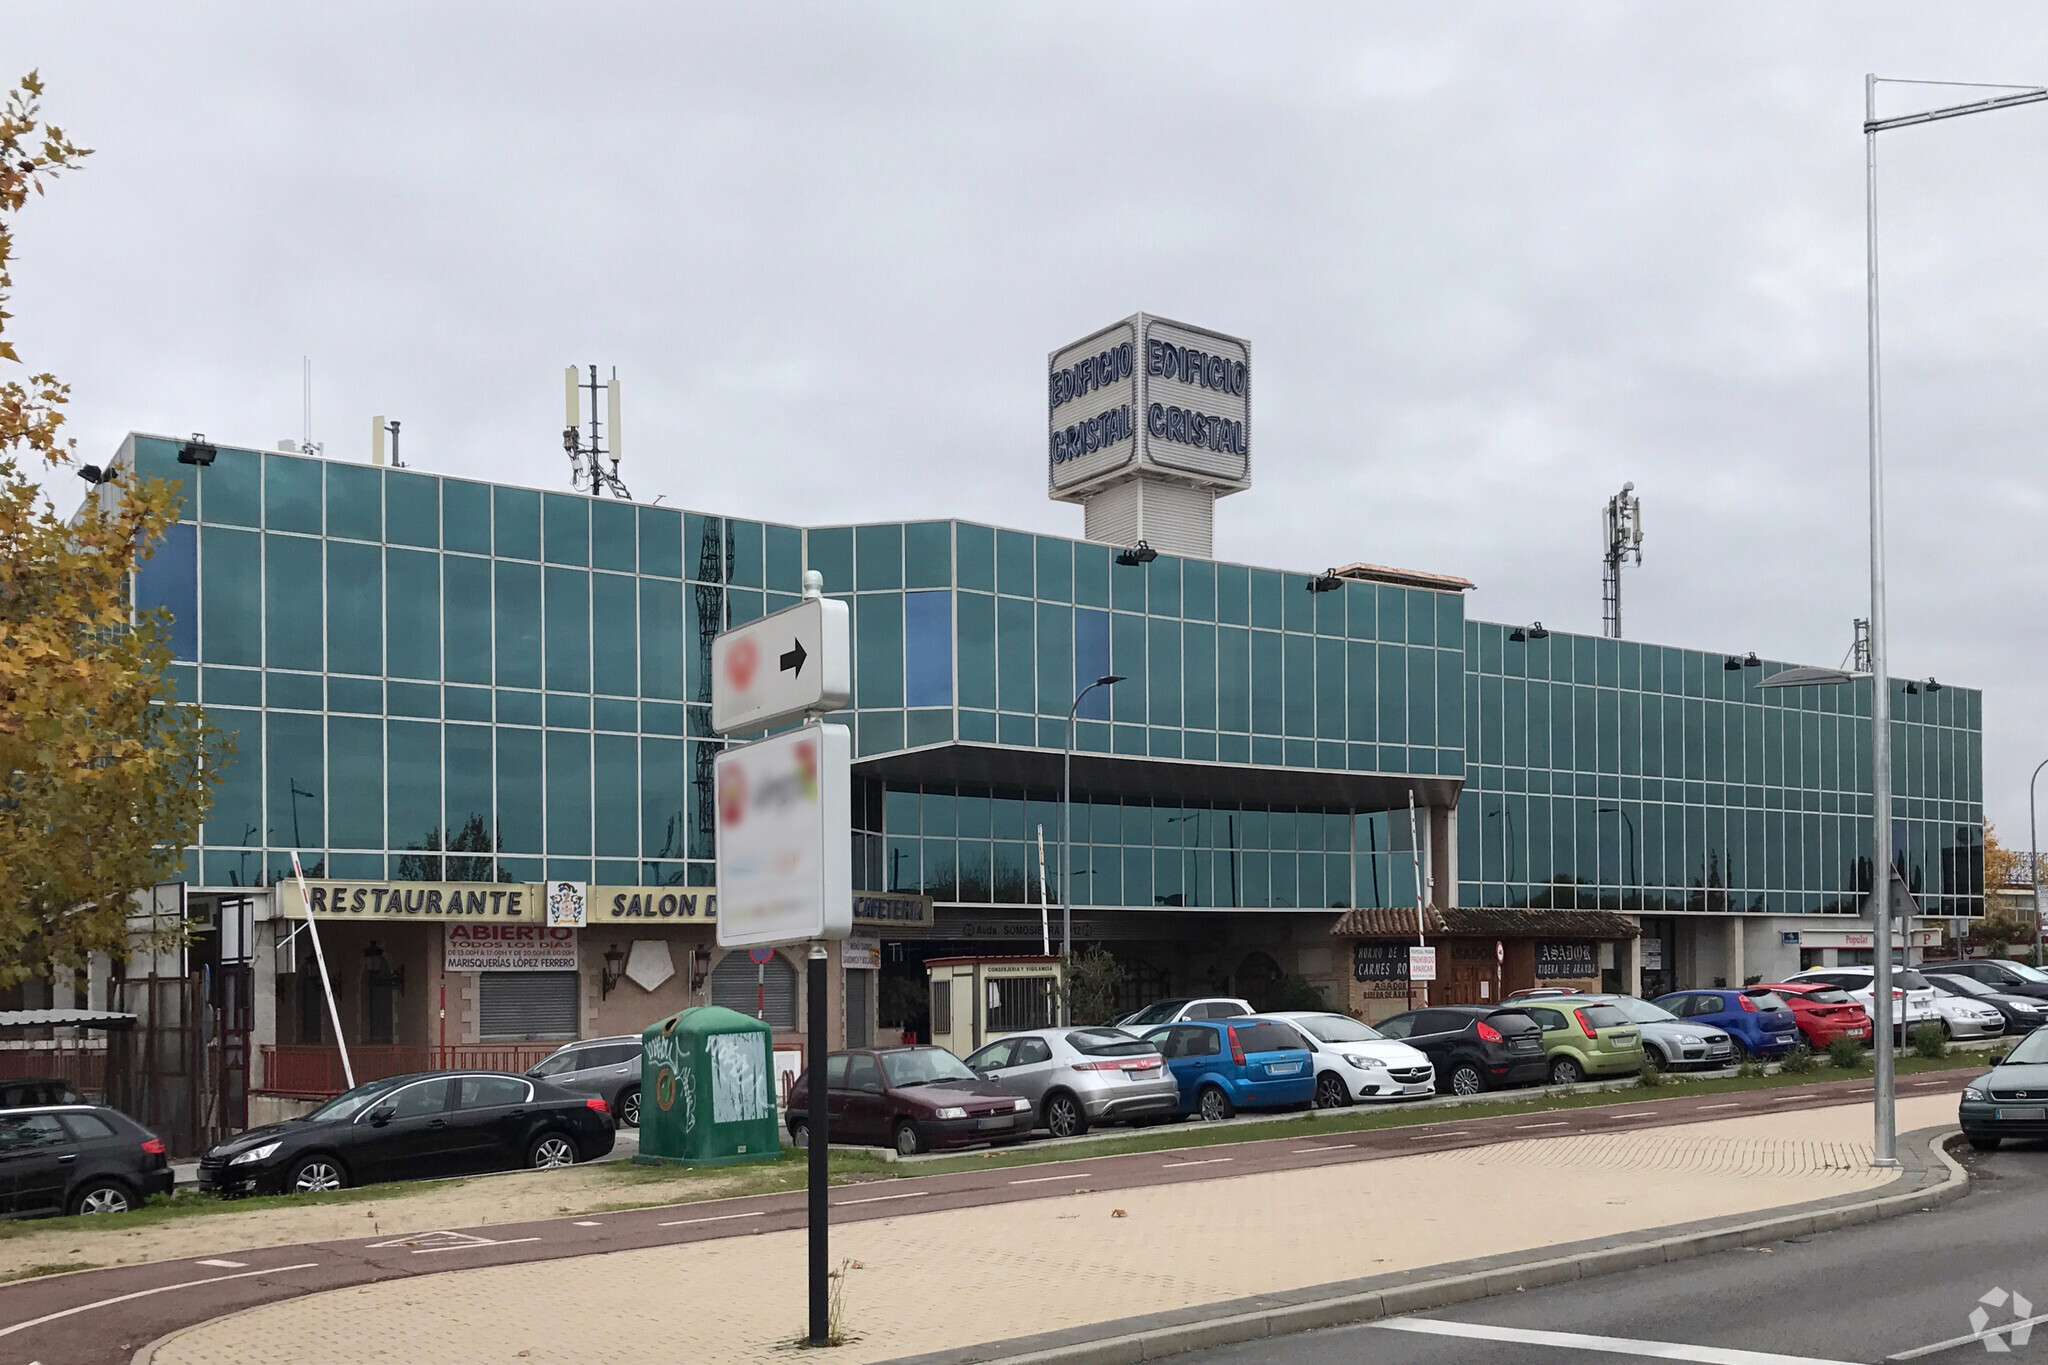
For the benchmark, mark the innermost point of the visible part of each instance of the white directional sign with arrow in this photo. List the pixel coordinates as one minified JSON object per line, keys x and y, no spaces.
{"x":784,"y":667}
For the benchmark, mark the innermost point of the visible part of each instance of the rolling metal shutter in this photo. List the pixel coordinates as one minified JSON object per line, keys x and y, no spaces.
{"x":733,"y":986}
{"x":529,"y":1005}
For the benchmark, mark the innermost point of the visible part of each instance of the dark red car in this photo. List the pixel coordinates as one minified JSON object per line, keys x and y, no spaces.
{"x":1823,"y":1013}
{"x":909,"y":1098}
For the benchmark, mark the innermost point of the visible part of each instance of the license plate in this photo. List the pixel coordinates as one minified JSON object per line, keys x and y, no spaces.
{"x":1001,"y":1121}
{"x":2023,"y":1115}
{"x":1282,"y":1068}
{"x":1855,"y":1032}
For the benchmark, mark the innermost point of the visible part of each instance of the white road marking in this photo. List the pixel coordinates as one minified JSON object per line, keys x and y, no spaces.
{"x":1557,"y":1124}
{"x":1732,"y":1104}
{"x":1424,"y":1137}
{"x":1209,"y":1161}
{"x":223,"y":1265}
{"x":1579,"y":1341}
{"x":716,"y":1218}
{"x":1984,"y":1336}
{"x":1638,"y":1114}
{"x":1041,"y":1179}
{"x":1785,"y":1099}
{"x":878,"y":1199}
{"x":586,"y":1224}
{"x":10,"y":1330}
{"x":472,"y":1246}
{"x":1318,"y":1149}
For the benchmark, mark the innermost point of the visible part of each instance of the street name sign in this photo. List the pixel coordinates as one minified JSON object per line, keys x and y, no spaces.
{"x":795,"y":663}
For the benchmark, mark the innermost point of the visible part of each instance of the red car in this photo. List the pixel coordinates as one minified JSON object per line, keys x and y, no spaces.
{"x":910,"y":1098}
{"x":1823,"y":1013}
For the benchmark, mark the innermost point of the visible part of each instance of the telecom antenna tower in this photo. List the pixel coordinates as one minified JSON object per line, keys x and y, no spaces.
{"x":1624,"y":527}
{"x":587,"y":462}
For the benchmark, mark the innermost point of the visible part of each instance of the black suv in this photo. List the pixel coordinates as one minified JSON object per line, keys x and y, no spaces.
{"x":77,"y":1158}
{"x":1475,"y":1047}
{"x":2007,"y":978}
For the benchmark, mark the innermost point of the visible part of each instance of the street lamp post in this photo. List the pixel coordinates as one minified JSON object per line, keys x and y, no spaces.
{"x":2034,"y":860}
{"x":1067,"y":841}
{"x":1886,"y":1135}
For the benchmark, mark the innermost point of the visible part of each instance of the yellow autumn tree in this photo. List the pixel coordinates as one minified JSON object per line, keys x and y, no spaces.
{"x":105,"y":774}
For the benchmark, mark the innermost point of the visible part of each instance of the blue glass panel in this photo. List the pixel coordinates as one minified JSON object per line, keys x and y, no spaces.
{"x":466,"y":516}
{"x":291,"y":602}
{"x":1091,"y":661}
{"x":928,"y":648}
{"x":169,"y":581}
{"x":412,"y":613}
{"x":412,"y":509}
{"x":355,"y":501}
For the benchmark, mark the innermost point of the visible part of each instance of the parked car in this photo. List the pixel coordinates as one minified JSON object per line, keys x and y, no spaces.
{"x":1912,"y":997}
{"x":1758,"y":1022}
{"x":2000,"y":974}
{"x":1473,"y":1047}
{"x":2011,"y":1099}
{"x":1541,"y":993}
{"x":32,"y":1091}
{"x":607,"y":1067}
{"x":1585,"y":1040}
{"x":1961,"y":1017}
{"x":1674,"y":1044}
{"x":1355,"y":1062}
{"x":426,"y":1124}
{"x":76,"y":1159}
{"x":1075,"y":1077}
{"x":1823,"y":1013}
{"x":1225,"y":1065}
{"x":914,"y":1099}
{"x":1180,"y":1011}
{"x":2022,"y":1013}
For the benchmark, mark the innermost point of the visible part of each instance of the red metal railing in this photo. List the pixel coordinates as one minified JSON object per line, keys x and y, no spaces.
{"x":84,"y":1067}
{"x":314,"y":1072}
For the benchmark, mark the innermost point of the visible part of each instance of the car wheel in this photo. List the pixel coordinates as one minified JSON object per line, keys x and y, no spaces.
{"x":800,"y":1133}
{"x":1946,"y":1031}
{"x":1213,"y":1104}
{"x":1985,"y":1142}
{"x":629,"y":1108}
{"x":909,"y":1142}
{"x":102,"y":1196}
{"x":1565,"y":1071}
{"x":1466,"y":1080}
{"x":551,"y":1151}
{"x":1331,"y":1092}
{"x":1737,"y":1053}
{"x":316,"y":1175}
{"x":1064,"y":1116}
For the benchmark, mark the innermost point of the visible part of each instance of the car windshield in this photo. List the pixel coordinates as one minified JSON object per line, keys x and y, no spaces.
{"x":1603,"y":1016}
{"x":1261,"y":1036}
{"x":1643,"y":1012}
{"x":1107,"y":1042}
{"x":2026,"y":973}
{"x":1157,"y":1012}
{"x":1827,"y":995}
{"x":923,"y":1066}
{"x":350,"y":1102}
{"x":1766,"y":1000}
{"x":1957,"y":984}
{"x":1336,"y":1028}
{"x":2032,"y":1050}
{"x":568,"y":1059}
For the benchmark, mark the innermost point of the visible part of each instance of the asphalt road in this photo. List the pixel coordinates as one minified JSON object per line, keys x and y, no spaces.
{"x":1902,"y":1289}
{"x":102,"y":1317}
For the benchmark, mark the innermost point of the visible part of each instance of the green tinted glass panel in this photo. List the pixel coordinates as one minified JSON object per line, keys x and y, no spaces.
{"x":1163,"y":658}
{"x":466,"y":516}
{"x":412,"y":509}
{"x":413,"y":785}
{"x":661,"y":639}
{"x":298,"y":790}
{"x":568,"y":792}
{"x":615,"y":761}
{"x":611,"y":535}
{"x":614,"y":635}
{"x":466,"y":618}
{"x":291,"y":494}
{"x":412,"y":613}
{"x":231,"y":488}
{"x":1015,"y":668}
{"x":928,"y":554}
{"x":1233,"y":594}
{"x":568,"y":630}
{"x":237,"y":814}
{"x":355,"y":608}
{"x":230,"y":596}
{"x":519,"y":789}
{"x":355,"y":758}
{"x":517,"y":615}
{"x":830,"y":552}
{"x":977,"y":627}
{"x":292,"y":606}
{"x":878,"y":650}
{"x":567,"y":519}
{"x":355,"y":501}
{"x":785,"y":559}
{"x":1268,"y":669}
{"x":743,"y":553}
{"x":1091,"y":575}
{"x":661,"y":542}
{"x":976,"y":549}
{"x":1127,"y":659}
{"x":470,"y":822}
{"x":515,"y":514}
{"x":1162,"y":586}
{"x":663,"y":779}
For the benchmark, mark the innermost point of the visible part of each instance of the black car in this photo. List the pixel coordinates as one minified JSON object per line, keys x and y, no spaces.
{"x":77,"y":1158}
{"x":2023,"y":1013}
{"x":29,"y":1092}
{"x":425,"y":1125}
{"x":1474,"y":1047}
{"x":2001,"y":975}
{"x":2011,"y":1099}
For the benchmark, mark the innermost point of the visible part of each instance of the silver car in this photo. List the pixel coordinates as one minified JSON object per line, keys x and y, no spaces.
{"x":608,"y":1068}
{"x":1177,"y":1011}
{"x":1075,"y":1077}
{"x":1674,"y":1044}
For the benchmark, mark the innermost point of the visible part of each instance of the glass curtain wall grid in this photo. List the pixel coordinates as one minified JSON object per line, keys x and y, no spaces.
{"x":1628,"y":776}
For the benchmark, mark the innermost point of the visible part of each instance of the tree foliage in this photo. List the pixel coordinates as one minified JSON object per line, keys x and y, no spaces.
{"x":2002,"y":866}
{"x":1090,"y":980}
{"x":106,"y":779}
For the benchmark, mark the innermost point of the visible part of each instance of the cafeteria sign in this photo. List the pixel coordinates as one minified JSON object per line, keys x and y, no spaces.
{"x":509,"y":948}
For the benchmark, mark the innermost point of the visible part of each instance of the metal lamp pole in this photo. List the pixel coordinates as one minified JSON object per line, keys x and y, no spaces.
{"x":1067,"y":839}
{"x":2034,"y":859}
{"x":1886,"y":1136}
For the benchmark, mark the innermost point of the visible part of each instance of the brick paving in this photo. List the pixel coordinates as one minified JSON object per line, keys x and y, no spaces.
{"x":926,"y":1282}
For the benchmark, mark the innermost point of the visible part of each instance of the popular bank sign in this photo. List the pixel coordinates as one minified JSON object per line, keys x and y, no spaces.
{"x":1151,"y":394}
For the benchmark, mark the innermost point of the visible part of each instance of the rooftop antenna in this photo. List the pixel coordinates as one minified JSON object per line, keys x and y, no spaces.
{"x":1624,"y":528}
{"x":378,"y":428}
{"x":308,"y":444}
{"x":588,"y":462}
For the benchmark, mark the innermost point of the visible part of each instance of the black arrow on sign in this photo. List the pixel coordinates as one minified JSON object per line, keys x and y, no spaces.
{"x":793,"y":662}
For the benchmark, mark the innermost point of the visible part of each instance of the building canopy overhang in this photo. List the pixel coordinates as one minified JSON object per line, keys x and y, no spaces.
{"x":1485,"y":922}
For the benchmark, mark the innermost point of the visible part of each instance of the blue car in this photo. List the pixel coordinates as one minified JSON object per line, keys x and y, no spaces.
{"x":1757,"y":1021}
{"x":1224,"y":1065}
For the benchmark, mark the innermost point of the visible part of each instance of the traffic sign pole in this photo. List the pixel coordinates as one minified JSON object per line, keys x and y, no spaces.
{"x":821,"y":1214}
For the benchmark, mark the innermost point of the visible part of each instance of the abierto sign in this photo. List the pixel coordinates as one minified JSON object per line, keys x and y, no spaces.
{"x":795,"y":663}
{"x":785,"y":854}
{"x":509,"y":948}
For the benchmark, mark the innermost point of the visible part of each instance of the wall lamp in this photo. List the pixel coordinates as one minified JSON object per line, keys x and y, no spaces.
{"x":377,"y":967}
{"x":1141,"y":553}
{"x":1327,"y":582}
{"x":196,"y":451}
{"x":96,"y":476}
{"x":1914,"y":689}
{"x":1534,"y":632}
{"x":614,"y":968}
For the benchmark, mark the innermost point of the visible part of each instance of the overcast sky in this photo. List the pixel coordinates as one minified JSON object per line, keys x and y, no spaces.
{"x":1492,"y":260}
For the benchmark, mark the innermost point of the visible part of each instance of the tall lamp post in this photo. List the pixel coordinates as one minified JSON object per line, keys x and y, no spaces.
{"x":1067,"y":839}
{"x":2034,"y":859}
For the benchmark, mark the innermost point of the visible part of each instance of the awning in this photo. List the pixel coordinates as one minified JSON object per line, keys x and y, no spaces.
{"x":1481,"y":921}
{"x":64,"y":1019}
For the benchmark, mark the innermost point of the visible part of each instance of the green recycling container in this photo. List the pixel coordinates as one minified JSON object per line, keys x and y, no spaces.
{"x":707,"y":1090}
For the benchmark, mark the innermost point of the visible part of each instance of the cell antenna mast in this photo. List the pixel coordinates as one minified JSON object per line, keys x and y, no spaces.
{"x":594,"y":465}
{"x":1624,"y":527}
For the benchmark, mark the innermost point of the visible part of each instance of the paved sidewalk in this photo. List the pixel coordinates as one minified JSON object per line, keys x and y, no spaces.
{"x":928,"y":1282}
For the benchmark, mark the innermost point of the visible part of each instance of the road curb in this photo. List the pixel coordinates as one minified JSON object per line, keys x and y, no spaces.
{"x":1935,"y":1177}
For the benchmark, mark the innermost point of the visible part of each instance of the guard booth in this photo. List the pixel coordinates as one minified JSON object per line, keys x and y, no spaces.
{"x":707,"y":1090}
{"x":976,"y":999}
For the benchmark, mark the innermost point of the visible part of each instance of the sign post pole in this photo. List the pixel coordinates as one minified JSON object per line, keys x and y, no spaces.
{"x":326,"y":984}
{"x":820,"y":1179}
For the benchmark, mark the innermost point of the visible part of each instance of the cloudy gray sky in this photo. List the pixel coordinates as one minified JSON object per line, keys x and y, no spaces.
{"x":1493,"y":260}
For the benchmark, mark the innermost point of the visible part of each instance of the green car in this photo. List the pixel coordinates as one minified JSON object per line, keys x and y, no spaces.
{"x":2011,"y":1099}
{"x":1583,"y":1041}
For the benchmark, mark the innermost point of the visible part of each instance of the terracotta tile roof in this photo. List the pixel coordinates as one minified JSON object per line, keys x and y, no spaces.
{"x":1488,"y":922}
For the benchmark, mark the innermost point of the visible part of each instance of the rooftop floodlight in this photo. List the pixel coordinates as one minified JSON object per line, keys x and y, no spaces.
{"x":1931,"y":685}
{"x":1327,"y":581}
{"x":96,"y":476}
{"x":1912,"y":688}
{"x":1731,"y":664}
{"x":1751,"y":661}
{"x":1537,"y":632}
{"x":1141,"y":553}
{"x":1518,"y":636}
{"x":196,"y":451}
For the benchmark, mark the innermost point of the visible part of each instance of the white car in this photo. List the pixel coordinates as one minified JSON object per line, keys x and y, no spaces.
{"x":1355,"y":1062}
{"x":1181,"y":1011}
{"x":1912,"y":998}
{"x":1960,"y":1018}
